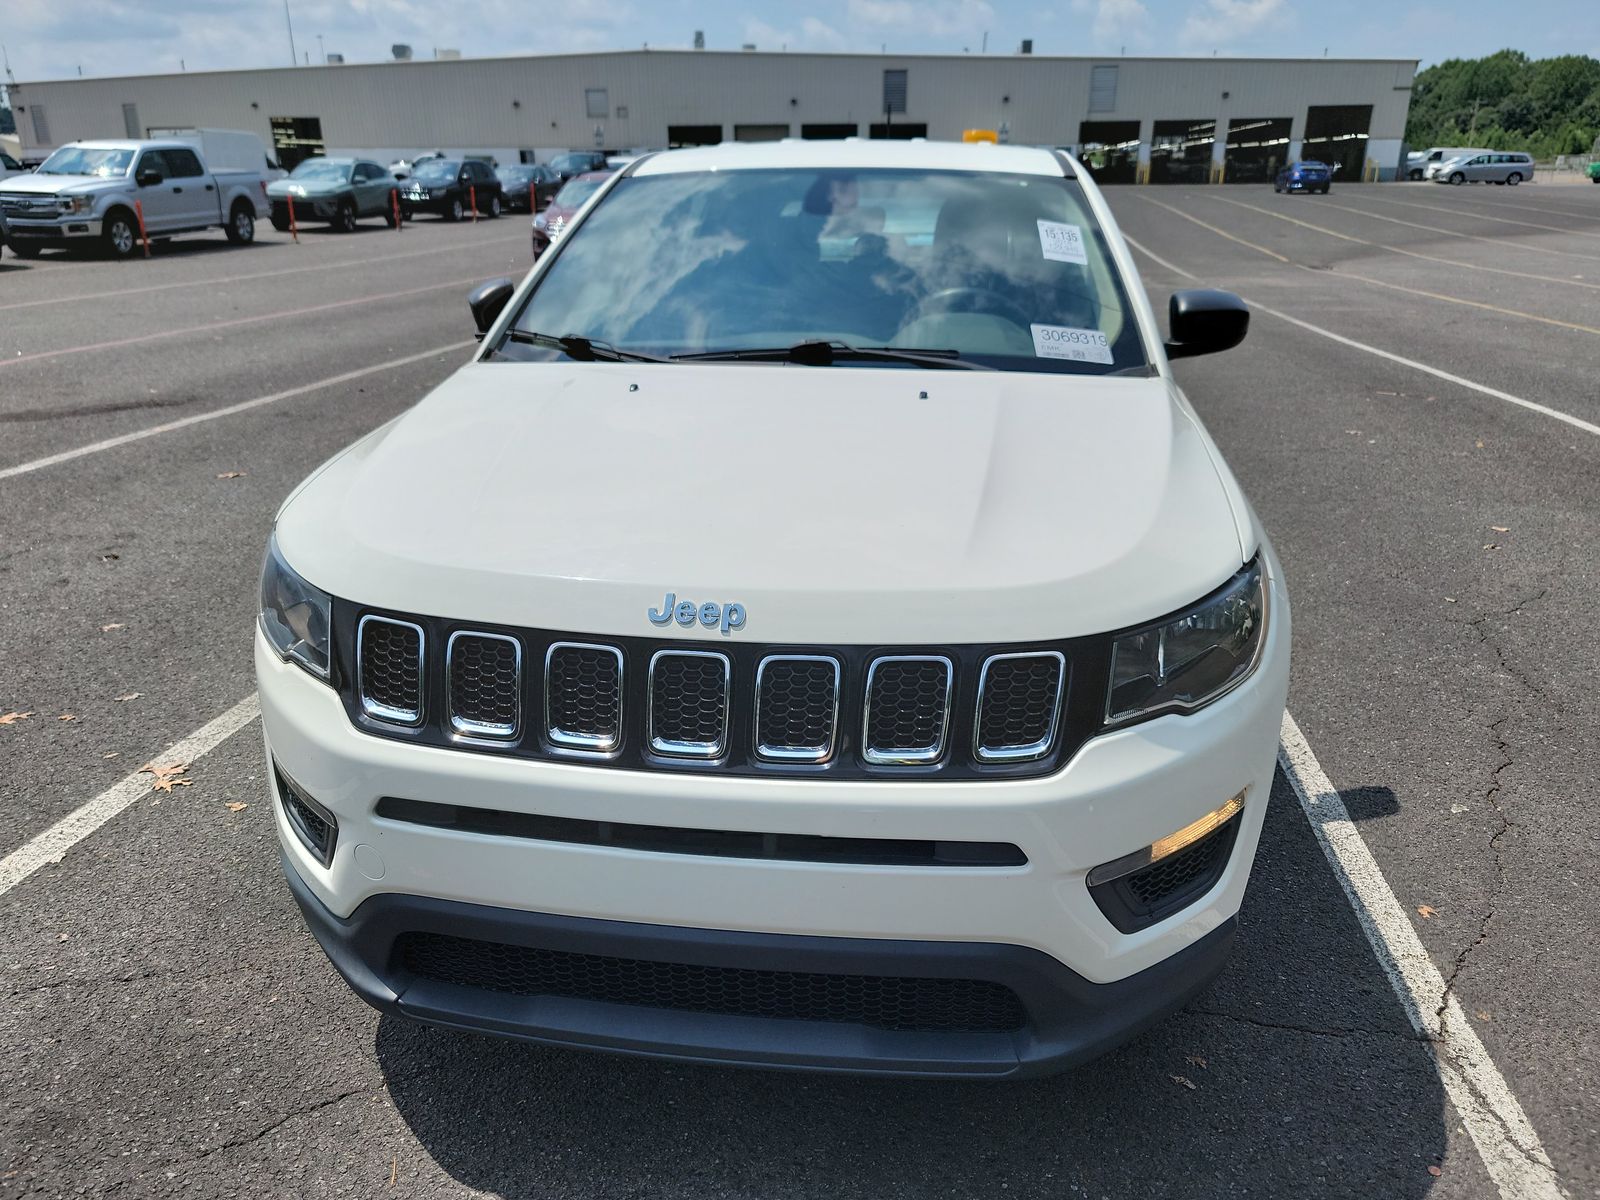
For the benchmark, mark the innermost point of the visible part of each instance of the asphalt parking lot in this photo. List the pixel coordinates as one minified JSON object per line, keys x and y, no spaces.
{"x":1396,"y":416}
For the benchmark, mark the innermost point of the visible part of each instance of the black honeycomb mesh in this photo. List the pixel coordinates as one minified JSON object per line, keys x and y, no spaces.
{"x":689,"y":702}
{"x":1177,"y":873}
{"x":316,"y":831}
{"x":1019,"y":702}
{"x":585,"y":693}
{"x":390,"y":671}
{"x":798,"y":704}
{"x":1138,"y":900}
{"x":878,"y":1001}
{"x":906,"y":705}
{"x":484,"y":683}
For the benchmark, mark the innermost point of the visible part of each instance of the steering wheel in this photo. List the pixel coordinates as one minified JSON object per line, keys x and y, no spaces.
{"x":970,"y":300}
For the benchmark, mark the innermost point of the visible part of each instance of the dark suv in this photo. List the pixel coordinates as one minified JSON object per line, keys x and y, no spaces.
{"x":452,"y":187}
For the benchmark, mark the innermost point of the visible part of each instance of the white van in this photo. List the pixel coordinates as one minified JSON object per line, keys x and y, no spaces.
{"x":1424,"y":165}
{"x":1491,"y":166}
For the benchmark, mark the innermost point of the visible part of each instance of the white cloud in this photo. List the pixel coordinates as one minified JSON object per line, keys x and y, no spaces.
{"x":1216,"y":22}
{"x":1124,"y":20}
{"x":813,"y":34}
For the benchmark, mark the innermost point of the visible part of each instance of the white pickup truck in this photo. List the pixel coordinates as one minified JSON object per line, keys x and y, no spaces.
{"x":91,"y":192}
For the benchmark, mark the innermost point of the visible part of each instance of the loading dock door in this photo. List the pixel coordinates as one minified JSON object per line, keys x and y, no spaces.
{"x":693,"y":135}
{"x":295,"y":139}
{"x":1257,"y":147}
{"x":1337,"y":134}
{"x":760,"y":133}
{"x":843,"y":129}
{"x":1110,"y":149}
{"x":1180,"y":151}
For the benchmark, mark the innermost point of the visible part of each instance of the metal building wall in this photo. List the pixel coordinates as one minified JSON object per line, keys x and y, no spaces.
{"x":499,"y":105}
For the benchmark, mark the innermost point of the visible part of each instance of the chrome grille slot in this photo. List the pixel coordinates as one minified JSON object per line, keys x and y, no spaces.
{"x":689,"y":703}
{"x":583,"y":696}
{"x":907,"y":709}
{"x":484,"y":674}
{"x":797,"y":707}
{"x":389,"y":666}
{"x":1018,"y":698}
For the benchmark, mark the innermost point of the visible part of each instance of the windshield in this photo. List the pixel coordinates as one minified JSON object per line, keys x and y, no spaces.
{"x":321,"y":169}
{"x":86,"y":160}
{"x":572,"y":162}
{"x":1011,"y":271}
{"x":514,"y":174}
{"x":436,"y":171}
{"x":576,"y":192}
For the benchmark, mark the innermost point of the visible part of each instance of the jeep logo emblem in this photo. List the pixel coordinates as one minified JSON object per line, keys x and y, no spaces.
{"x":727,"y":617}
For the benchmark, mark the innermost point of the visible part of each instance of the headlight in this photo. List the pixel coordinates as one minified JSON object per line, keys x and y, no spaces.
{"x":1191,"y":659}
{"x":294,"y":615}
{"x":72,"y":204}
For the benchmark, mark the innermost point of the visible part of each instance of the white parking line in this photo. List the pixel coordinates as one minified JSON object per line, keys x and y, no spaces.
{"x":1506,"y":1141}
{"x":1471,"y":385}
{"x":50,"y":460}
{"x":52,"y":845}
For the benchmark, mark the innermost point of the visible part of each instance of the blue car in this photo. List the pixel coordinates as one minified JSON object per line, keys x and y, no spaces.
{"x":1304,"y":177}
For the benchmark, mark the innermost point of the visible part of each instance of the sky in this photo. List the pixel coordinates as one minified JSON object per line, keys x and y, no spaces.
{"x":48,"y":39}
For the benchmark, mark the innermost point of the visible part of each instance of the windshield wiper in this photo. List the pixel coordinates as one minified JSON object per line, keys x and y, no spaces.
{"x":825,"y":354}
{"x":581,"y":348}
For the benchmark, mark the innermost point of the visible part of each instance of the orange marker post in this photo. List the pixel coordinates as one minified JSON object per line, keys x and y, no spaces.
{"x":138,"y":211}
{"x":394,"y":195}
{"x":472,"y":194}
{"x":294,"y":230}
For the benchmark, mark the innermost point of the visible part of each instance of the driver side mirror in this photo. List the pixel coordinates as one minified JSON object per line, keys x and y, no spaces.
{"x":1204,"y":321}
{"x":149,"y":177}
{"x":487,"y":300}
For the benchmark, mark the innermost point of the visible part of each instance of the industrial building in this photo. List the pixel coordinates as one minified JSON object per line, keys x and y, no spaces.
{"x":1156,"y":120}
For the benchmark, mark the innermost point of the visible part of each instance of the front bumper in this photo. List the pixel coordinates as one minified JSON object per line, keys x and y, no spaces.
{"x":68,"y":228}
{"x":1070,"y":1019}
{"x":1036,"y":921}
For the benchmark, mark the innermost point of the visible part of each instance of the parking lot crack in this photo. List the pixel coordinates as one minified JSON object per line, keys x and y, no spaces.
{"x":1333,"y":1031}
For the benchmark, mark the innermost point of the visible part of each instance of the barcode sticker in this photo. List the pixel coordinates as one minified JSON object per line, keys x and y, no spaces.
{"x":1080,"y":345}
{"x":1061,"y":242}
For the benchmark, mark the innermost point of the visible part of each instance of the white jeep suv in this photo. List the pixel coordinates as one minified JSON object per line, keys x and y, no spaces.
{"x":814,"y":631}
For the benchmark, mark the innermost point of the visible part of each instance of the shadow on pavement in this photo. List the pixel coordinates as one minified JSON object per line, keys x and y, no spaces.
{"x":1306,"y":1080}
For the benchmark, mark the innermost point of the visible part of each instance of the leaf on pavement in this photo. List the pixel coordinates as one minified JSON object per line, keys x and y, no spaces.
{"x":1195,"y":1060}
{"x":113,"y":625}
{"x":129,"y":696}
{"x":1483,"y":1015}
{"x":67,"y":717}
{"x":1501,"y":528}
{"x":1426,"y":911}
{"x":61,"y":937}
{"x":1183,"y":1081}
{"x":1435,"y":1171}
{"x":11,"y":718}
{"x":236,"y":806}
{"x":233,"y":475}
{"x":167,"y":775}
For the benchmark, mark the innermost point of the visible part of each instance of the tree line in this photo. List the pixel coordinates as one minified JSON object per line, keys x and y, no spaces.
{"x":1507,"y":101}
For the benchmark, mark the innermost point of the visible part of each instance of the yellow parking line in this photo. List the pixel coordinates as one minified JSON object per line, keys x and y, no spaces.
{"x":1450,"y":262}
{"x":1495,"y":308}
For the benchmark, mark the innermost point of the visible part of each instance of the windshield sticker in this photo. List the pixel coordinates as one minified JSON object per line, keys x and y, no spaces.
{"x":1061,"y":242}
{"x":1080,"y":345}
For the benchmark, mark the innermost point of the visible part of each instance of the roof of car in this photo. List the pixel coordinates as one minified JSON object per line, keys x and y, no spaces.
{"x":860,"y":153}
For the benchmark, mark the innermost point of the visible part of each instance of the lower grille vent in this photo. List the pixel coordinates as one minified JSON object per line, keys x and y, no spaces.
{"x":1150,"y":894}
{"x":877,"y":1001}
{"x":314,"y":825}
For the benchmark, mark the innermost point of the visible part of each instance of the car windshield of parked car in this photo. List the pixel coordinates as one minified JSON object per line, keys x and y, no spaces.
{"x":86,"y":160}
{"x":1007,"y":271}
{"x":576,"y":191}
{"x":514,"y":174}
{"x":321,"y":170}
{"x":436,"y":171}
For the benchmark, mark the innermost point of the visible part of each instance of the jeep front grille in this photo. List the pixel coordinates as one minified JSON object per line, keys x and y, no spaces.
{"x":908,"y":709}
{"x":647,"y":703}
{"x":389,"y":654}
{"x":484,"y":671}
{"x":689,"y":703}
{"x":583,"y":696}
{"x":1018,"y":695}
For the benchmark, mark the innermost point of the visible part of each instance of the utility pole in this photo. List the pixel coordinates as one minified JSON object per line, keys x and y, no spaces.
{"x":294,"y":59}
{"x":321,"y":53}
{"x":985,"y":49}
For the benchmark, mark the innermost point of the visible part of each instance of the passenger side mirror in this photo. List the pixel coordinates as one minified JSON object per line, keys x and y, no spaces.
{"x":1204,"y":321}
{"x":149,"y":177}
{"x":486,"y":302}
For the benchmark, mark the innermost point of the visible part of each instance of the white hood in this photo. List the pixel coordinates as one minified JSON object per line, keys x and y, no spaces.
{"x":53,"y":185}
{"x":834,"y":504}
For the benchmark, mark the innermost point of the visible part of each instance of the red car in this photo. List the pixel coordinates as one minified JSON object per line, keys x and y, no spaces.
{"x":549,"y":225}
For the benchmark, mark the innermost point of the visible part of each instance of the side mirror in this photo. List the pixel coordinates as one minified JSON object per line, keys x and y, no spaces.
{"x":486,"y":302}
{"x":149,"y":177}
{"x":1204,"y":321}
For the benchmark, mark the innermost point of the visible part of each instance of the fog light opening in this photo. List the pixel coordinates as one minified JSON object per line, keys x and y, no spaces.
{"x":314,"y":825}
{"x":1168,"y":846}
